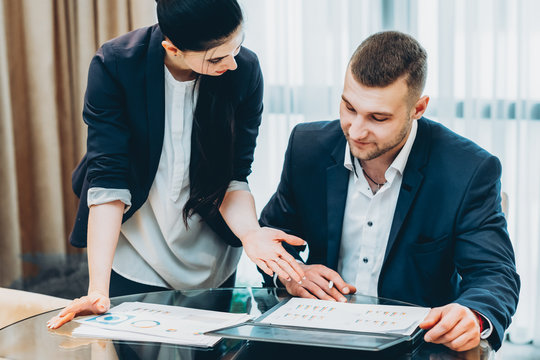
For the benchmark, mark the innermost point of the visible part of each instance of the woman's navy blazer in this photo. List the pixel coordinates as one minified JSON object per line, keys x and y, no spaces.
{"x":124,"y":108}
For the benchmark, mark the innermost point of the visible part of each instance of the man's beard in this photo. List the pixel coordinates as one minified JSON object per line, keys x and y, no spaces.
{"x":378,"y":151}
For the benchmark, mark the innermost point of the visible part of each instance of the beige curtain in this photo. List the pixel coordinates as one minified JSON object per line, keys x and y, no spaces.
{"x":45,"y":49}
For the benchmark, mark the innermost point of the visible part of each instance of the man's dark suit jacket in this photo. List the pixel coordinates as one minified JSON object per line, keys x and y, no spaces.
{"x":124,"y":109}
{"x":448,"y":240}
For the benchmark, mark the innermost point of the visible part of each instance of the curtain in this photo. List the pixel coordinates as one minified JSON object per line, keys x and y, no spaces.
{"x":483,"y":76}
{"x":45,"y":49}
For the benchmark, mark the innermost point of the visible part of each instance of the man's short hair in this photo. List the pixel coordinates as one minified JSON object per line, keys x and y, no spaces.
{"x":386,"y":56}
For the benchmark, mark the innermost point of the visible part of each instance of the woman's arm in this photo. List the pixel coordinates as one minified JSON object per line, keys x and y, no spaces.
{"x":104,"y":223}
{"x":262,"y":245}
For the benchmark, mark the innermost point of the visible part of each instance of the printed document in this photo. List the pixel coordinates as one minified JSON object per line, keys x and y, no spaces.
{"x":136,"y":321}
{"x":371,"y":318}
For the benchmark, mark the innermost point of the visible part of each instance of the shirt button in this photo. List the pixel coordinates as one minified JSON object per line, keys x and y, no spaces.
{"x":370,"y":223}
{"x":365,"y":260}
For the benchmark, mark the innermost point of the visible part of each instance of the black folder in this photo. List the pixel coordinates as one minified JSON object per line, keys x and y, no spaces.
{"x":258,"y":331}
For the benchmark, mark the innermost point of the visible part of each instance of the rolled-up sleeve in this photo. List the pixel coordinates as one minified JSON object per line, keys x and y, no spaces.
{"x":98,"y":196}
{"x":236,"y":185}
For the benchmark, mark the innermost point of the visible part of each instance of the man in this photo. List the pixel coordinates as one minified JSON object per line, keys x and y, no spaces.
{"x":395,"y":205}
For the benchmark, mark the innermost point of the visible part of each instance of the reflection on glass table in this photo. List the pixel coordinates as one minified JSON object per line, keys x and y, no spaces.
{"x":30,"y":338}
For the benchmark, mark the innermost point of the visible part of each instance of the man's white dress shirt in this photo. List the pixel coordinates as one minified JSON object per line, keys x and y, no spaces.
{"x":368,"y":219}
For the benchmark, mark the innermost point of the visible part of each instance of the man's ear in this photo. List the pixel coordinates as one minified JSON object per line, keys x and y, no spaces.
{"x":420,"y":107}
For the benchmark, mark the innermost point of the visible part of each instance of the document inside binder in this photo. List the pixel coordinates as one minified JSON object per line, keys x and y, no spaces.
{"x":261,"y":329}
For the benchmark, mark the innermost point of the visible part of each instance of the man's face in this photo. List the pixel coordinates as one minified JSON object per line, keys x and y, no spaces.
{"x":376,"y":120}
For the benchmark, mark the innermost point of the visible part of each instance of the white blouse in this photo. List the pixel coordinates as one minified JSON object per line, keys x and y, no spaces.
{"x":154,"y":246}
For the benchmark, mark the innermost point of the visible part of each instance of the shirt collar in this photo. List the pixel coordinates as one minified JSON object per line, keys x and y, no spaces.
{"x":399,"y":162}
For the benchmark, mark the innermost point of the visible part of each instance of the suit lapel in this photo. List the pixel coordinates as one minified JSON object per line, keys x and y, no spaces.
{"x":155,"y":96}
{"x":337,"y":181}
{"x":412,"y":180}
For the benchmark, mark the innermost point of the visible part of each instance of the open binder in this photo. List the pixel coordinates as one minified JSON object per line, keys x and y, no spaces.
{"x":259,"y":330}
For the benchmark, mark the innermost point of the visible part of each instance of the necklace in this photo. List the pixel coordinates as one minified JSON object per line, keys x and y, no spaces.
{"x":373,"y":181}
{"x":365,"y":173}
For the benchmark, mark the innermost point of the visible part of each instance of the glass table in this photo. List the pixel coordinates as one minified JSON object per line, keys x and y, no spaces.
{"x":31,"y":339}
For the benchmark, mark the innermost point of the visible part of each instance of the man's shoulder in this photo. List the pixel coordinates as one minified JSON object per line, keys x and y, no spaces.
{"x":446,"y":142}
{"x":319,"y":130}
{"x":324,"y":125}
{"x":314,"y":141}
{"x":317,"y":135}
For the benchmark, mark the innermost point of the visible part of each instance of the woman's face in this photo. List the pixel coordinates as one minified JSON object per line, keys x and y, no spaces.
{"x":213,"y":62}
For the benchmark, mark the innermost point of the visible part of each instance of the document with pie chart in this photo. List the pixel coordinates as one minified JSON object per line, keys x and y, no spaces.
{"x":138,"y":321}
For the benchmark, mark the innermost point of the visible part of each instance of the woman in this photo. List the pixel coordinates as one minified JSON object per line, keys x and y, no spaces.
{"x":173,"y":112}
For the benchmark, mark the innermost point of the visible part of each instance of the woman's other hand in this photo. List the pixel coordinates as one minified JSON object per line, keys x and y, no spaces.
{"x":263,"y":246}
{"x":93,"y":303}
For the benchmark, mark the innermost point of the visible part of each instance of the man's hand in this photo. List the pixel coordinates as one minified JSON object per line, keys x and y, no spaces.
{"x":93,"y":303}
{"x":452,"y":325}
{"x":320,"y":282}
{"x":263,"y":247}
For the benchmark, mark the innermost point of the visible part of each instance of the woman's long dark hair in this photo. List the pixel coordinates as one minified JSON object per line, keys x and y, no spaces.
{"x":200,"y":25}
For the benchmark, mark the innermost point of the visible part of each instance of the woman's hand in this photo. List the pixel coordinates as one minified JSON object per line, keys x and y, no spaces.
{"x":263,"y":247}
{"x":93,"y":303}
{"x":104,"y":222}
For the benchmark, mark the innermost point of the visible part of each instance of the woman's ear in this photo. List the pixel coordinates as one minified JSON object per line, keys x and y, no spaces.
{"x":170,"y":48}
